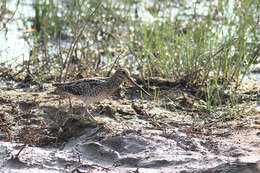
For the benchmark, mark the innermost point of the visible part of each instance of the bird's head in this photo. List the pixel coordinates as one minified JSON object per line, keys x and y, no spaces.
{"x":124,"y":76}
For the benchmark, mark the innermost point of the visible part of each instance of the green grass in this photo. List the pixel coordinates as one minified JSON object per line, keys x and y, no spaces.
{"x":198,"y":54}
{"x":213,"y":51}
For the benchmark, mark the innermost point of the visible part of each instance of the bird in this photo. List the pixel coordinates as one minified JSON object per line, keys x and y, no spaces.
{"x":95,"y":89}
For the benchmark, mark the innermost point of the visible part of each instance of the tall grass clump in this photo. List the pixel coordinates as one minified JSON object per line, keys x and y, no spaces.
{"x":203,"y":53}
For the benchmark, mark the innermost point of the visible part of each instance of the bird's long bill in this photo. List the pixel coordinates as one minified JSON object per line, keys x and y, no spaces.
{"x":135,"y":84}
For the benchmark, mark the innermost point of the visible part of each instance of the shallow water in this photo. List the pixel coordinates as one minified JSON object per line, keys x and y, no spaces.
{"x":14,"y":49}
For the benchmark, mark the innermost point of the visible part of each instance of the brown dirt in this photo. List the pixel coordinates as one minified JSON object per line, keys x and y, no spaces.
{"x":132,"y":127}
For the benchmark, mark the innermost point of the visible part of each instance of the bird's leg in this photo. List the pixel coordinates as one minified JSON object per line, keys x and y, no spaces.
{"x":89,"y":116}
{"x":58,"y":112}
{"x":58,"y":116}
{"x":70,"y":109}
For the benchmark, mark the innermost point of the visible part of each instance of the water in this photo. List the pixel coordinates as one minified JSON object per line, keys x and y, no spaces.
{"x":13,"y":47}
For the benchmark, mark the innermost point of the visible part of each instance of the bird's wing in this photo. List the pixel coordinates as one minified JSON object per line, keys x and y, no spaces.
{"x":77,"y":88}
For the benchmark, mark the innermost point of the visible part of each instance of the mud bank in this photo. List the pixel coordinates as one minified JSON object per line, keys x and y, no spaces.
{"x":39,"y":133}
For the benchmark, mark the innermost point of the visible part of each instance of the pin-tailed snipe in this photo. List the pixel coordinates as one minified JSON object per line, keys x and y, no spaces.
{"x":95,"y":90}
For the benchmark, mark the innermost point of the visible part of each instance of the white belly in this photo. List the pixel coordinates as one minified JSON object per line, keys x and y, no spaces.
{"x":90,"y":100}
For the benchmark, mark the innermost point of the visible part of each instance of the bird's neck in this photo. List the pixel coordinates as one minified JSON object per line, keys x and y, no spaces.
{"x":114,"y":83}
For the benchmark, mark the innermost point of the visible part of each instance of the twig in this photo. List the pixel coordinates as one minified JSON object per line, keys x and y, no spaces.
{"x":73,"y":45}
{"x":143,"y":112}
{"x":17,"y":155}
{"x":153,"y":120}
{"x":116,"y":60}
{"x":96,"y":132}
{"x":89,"y":166}
{"x":10,"y":18}
{"x":5,"y":128}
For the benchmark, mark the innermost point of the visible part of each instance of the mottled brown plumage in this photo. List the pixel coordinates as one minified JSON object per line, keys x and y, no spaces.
{"x":95,"y":90}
